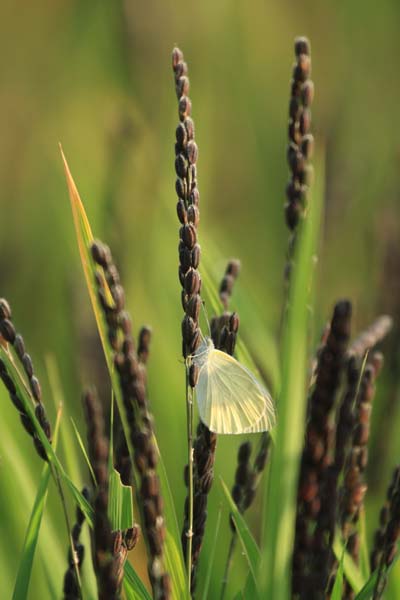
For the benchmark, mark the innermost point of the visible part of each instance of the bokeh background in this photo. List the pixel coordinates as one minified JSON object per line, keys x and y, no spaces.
{"x":97,"y":77}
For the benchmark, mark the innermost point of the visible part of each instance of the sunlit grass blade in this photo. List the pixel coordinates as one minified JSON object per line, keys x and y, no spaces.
{"x":211,"y":556}
{"x":248,"y":543}
{"x":53,"y":458}
{"x":350,"y":569}
{"x":133,"y":585}
{"x":280,"y":501}
{"x":21,"y":587}
{"x":85,"y":237}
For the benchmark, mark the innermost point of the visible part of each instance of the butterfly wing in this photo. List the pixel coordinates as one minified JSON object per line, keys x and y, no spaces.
{"x":230,"y":398}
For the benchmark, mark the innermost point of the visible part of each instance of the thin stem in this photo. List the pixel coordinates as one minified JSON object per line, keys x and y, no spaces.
{"x":228,"y":564}
{"x":189,"y":533}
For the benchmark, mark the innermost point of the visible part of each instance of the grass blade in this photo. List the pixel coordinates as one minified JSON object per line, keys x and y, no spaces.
{"x":211,"y":556}
{"x":133,"y":585}
{"x":120,"y":508}
{"x":280,"y":505}
{"x":249,"y":546}
{"x":364,"y":553}
{"x":366,"y":592}
{"x":21,"y":587}
{"x":84,"y":452}
{"x":338,"y":585}
{"x":350,"y":569}
{"x":25,"y":566}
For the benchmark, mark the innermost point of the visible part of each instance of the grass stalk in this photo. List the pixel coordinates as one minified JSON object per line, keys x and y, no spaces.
{"x":228,"y":565}
{"x":189,"y":531}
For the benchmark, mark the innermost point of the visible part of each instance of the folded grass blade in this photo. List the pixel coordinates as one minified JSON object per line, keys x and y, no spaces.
{"x":120,"y":508}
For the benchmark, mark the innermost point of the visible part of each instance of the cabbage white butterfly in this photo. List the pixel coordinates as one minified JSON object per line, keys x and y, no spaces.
{"x":229,"y":397}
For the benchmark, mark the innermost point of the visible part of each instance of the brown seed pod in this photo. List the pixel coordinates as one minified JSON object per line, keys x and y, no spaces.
{"x":193,"y":215}
{"x":181,"y":211}
{"x":5,"y":310}
{"x":19,"y":346}
{"x":189,"y":235}
{"x":184,"y":108}
{"x":7,"y":330}
{"x":195,"y":256}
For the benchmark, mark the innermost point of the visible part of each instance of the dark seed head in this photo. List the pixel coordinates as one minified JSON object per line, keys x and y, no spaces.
{"x":35,"y":388}
{"x":181,"y":210}
{"x":19,"y":346}
{"x":5,"y":310}
{"x":244,"y":452}
{"x":192,"y":282}
{"x":193,"y":375}
{"x":195,"y":256}
{"x":181,"y":166}
{"x":7,"y":330}
{"x":182,"y":86}
{"x":181,"y":135}
{"x":101,"y":254}
{"x":301,"y":46}
{"x":189,"y":236}
{"x":184,"y":108}
{"x":192,"y":152}
{"x":177,"y":57}
{"x":28,"y":365}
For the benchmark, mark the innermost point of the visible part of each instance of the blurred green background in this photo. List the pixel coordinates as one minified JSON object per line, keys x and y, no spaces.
{"x":97,"y":77}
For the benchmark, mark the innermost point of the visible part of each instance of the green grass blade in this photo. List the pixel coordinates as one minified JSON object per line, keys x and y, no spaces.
{"x":364,"y":553}
{"x":21,"y":587}
{"x":120,"y":509}
{"x":350,"y":569}
{"x":211,"y":556}
{"x":133,"y":585}
{"x":338,"y":585}
{"x":25,"y":566}
{"x":83,"y":449}
{"x":249,"y":546}
{"x":250,"y":590}
{"x":280,"y":505}
{"x":367,"y":591}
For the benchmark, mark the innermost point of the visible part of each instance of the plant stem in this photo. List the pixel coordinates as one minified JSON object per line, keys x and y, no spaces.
{"x":189,"y":533}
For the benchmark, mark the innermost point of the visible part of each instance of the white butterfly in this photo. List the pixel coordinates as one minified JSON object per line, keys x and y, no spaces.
{"x":229,"y":397}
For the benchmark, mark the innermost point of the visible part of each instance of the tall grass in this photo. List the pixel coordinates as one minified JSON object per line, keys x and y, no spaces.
{"x":310,"y":510}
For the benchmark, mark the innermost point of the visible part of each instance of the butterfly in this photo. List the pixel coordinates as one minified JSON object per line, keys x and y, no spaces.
{"x":230,"y":398}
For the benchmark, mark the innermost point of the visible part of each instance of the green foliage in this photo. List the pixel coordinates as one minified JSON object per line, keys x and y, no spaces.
{"x":105,"y":90}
